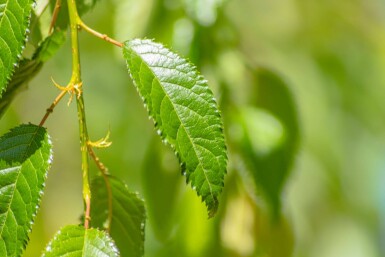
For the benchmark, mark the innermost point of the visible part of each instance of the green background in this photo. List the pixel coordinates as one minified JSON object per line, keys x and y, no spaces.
{"x":331,"y":53}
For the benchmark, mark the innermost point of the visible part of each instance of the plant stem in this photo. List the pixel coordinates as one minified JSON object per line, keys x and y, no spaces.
{"x":54,"y":16}
{"x":52,"y":107}
{"x":76,"y":82}
{"x":100,"y":35}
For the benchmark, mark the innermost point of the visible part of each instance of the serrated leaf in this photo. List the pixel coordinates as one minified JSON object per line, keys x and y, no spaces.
{"x":28,"y":69}
{"x":128,"y":215}
{"x":76,"y":241}
{"x":271,"y":135}
{"x":25,"y":156}
{"x":14,"y":21}
{"x":185,"y":114}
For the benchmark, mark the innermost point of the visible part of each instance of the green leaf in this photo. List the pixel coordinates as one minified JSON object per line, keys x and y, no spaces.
{"x":48,"y":48}
{"x":185,"y":114}
{"x":128,"y":215}
{"x":76,"y":241}
{"x":270,"y":136}
{"x":25,"y":156}
{"x":29,"y":68}
{"x":14,"y":21}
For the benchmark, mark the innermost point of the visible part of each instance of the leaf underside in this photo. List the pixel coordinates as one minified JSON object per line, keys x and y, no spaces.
{"x":14,"y":21}
{"x":128,"y":215}
{"x":25,"y":156}
{"x":76,"y":241}
{"x":185,"y":114}
{"x":29,"y":68}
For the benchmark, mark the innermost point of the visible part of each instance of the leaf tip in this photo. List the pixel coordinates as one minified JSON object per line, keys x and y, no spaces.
{"x":212,"y":207}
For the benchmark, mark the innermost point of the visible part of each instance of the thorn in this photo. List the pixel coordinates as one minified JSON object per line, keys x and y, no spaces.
{"x":71,"y":89}
{"x":101,"y":143}
{"x":58,"y":85}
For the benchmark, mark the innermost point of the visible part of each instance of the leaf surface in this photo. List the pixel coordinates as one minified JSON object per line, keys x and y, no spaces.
{"x":128,"y":215}
{"x":25,"y":156}
{"x":75,"y":241}
{"x":185,"y":114}
{"x":14,"y":21}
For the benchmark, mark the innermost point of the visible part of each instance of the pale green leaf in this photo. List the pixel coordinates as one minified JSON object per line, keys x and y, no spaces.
{"x":203,"y":11}
{"x":26,"y":70}
{"x":25,"y":156}
{"x":76,"y":241}
{"x":29,"y":68}
{"x":14,"y":21}
{"x":128,"y":215}
{"x":185,"y":114}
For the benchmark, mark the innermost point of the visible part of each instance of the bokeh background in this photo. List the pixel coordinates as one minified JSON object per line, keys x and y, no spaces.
{"x":331,"y":55}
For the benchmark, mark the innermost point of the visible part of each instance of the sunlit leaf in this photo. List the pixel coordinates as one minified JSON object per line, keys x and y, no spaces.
{"x":128,"y":215}
{"x":185,"y":114}
{"x":25,"y":156}
{"x":14,"y":21}
{"x":76,"y":241}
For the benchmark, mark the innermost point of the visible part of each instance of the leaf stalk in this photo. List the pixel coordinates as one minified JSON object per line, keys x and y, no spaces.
{"x":99,"y":35}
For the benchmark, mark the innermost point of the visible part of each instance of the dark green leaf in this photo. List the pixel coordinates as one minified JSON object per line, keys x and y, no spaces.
{"x":14,"y":20}
{"x":28,"y":69}
{"x":128,"y":215}
{"x":25,"y":156}
{"x":76,"y":241}
{"x":270,"y":136}
{"x":185,"y":114}
{"x":275,"y":96}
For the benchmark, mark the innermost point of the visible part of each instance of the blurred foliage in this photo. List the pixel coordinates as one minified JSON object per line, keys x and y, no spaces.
{"x":297,"y":80}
